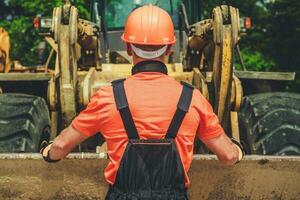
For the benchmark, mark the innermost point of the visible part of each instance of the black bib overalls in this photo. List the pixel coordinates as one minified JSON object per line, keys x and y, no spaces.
{"x":150,"y":169}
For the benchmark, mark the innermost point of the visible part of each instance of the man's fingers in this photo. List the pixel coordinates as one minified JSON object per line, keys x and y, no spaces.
{"x":241,"y":154}
{"x":43,"y":145}
{"x":45,"y":150}
{"x":240,"y":148}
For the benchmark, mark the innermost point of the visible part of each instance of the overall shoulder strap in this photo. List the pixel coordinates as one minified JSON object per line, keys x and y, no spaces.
{"x":182,"y":108}
{"x":122,"y":106}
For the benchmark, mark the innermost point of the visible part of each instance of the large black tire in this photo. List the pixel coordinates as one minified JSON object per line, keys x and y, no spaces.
{"x":24,"y":123}
{"x":270,"y":123}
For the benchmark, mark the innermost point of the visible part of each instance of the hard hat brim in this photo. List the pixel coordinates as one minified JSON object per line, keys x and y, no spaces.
{"x":148,"y":43}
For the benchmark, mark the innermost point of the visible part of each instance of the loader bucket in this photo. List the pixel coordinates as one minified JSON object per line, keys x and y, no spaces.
{"x":80,"y":176}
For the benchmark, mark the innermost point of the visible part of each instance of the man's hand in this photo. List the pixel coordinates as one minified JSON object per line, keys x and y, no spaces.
{"x":45,"y":151}
{"x":63,"y":144}
{"x":240,"y":149}
{"x":227,"y":151}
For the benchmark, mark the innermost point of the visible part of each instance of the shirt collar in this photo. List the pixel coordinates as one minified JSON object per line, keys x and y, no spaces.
{"x":149,"y":66}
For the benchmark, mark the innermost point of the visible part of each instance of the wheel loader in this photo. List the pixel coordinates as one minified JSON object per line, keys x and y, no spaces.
{"x":89,"y":54}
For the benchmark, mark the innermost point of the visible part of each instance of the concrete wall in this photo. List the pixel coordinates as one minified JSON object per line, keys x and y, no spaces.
{"x":80,"y":177}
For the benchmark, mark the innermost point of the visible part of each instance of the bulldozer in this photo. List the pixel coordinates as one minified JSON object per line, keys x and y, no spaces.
{"x":89,"y":54}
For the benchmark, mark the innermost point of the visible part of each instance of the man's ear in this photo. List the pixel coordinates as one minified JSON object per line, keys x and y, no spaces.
{"x":169,"y":50}
{"x":129,"y":49}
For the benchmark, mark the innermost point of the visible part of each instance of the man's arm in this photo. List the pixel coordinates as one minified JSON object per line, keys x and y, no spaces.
{"x":85,"y":125}
{"x":63,"y":144}
{"x":227,"y":152}
{"x":212,"y":134}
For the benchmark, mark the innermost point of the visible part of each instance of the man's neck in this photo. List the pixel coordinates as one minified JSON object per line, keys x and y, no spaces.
{"x":137,"y":60}
{"x":149,"y":66}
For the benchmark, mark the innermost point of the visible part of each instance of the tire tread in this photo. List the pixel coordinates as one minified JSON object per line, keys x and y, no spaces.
{"x":270,"y":123}
{"x":22,"y":120}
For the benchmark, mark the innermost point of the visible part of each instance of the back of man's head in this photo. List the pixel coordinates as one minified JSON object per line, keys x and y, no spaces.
{"x":149,"y":33}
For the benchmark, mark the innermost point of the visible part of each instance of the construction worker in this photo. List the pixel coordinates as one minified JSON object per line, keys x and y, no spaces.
{"x":149,"y":120}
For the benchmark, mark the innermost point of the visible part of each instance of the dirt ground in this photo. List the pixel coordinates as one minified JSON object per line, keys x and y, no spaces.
{"x":82,"y":179}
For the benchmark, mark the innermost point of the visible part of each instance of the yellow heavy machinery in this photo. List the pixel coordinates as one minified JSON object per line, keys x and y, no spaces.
{"x":89,"y":55}
{"x":4,"y":51}
{"x":203,"y":56}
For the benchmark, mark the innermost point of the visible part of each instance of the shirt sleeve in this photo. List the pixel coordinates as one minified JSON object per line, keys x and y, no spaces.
{"x":209,"y":126}
{"x":87,"y":122}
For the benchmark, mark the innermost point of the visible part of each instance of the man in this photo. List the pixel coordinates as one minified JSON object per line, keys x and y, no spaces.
{"x":149,"y":121}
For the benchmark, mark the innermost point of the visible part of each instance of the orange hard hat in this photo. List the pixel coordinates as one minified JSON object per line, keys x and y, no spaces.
{"x":149,"y":25}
